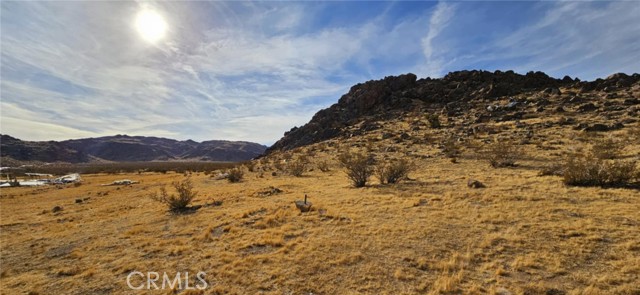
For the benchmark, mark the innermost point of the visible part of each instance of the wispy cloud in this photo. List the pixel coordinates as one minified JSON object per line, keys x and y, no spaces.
{"x":440,"y":18}
{"x":586,"y":39}
{"x":252,"y":70}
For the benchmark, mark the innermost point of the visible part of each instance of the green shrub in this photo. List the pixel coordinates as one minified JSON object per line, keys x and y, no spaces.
{"x":180,"y":201}
{"x":358,"y":166}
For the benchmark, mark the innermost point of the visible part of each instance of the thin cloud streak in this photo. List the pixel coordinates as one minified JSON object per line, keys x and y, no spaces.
{"x":252,"y":70}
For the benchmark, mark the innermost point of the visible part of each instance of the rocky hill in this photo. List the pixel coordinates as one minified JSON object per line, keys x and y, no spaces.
{"x":123,"y":148}
{"x":475,"y":96}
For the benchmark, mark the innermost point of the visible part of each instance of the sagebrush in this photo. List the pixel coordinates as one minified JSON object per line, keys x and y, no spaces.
{"x":394,"y":171}
{"x":358,"y":166}
{"x":589,"y":170}
{"x":179,"y":201}
{"x":235,"y":175}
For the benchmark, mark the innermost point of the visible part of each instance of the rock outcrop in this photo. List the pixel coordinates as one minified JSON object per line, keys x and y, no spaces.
{"x":453,"y":93}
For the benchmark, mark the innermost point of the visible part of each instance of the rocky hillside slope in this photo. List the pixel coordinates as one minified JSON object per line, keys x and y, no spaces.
{"x":476,"y":96}
{"x":121,"y":148}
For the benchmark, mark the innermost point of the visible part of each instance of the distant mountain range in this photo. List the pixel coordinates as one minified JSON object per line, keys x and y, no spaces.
{"x":123,"y":148}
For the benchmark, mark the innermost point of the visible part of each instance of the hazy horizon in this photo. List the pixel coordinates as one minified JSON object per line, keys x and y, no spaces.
{"x":252,"y":70}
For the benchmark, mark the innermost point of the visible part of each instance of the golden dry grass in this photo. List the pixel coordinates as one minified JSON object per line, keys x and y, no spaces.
{"x":523,"y":234}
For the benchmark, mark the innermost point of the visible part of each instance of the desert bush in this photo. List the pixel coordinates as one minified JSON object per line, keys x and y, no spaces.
{"x":502,"y":154}
{"x":607,"y":148}
{"x":434,"y":120}
{"x":552,"y":170}
{"x":589,"y":170}
{"x":235,"y":175}
{"x":180,"y":201}
{"x":251,"y":166}
{"x":450,"y":147}
{"x":358,"y":166}
{"x":277,"y":164}
{"x":297,"y":167}
{"x":394,"y":171}
{"x":323,"y":166}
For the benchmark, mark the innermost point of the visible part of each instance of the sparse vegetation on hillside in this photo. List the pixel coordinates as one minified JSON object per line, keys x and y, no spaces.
{"x":358,"y":166}
{"x":177,"y":202}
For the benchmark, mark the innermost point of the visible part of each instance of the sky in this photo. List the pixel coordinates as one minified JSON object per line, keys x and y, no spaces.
{"x":252,"y":70}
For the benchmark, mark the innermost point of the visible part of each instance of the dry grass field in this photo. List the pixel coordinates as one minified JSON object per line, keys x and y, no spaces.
{"x":430,"y":234}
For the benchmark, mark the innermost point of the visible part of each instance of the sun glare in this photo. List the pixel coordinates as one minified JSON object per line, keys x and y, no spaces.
{"x":150,"y":25}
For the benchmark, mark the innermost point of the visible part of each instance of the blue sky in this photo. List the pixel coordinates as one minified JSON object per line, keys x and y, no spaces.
{"x":252,"y":70}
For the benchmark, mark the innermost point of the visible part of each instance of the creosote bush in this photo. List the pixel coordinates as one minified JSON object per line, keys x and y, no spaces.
{"x":451,"y":147}
{"x":297,"y":167}
{"x":589,"y":170}
{"x":235,"y":175}
{"x":394,"y":171}
{"x":358,"y":166}
{"x":323,"y":166}
{"x":502,"y":154}
{"x":607,"y":148}
{"x":434,"y":120}
{"x":180,"y":201}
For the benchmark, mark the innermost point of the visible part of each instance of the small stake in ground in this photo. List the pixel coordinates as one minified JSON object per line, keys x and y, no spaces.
{"x":303,"y":206}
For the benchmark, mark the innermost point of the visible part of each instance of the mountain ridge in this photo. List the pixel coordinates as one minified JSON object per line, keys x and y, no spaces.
{"x":125,"y":148}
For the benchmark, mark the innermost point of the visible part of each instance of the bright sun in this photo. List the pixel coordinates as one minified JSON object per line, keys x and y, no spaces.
{"x":150,"y":25}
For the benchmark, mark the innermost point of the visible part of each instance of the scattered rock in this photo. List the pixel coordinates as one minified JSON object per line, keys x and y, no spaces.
{"x":78,"y":201}
{"x":597,"y":128}
{"x":270,"y":191}
{"x":631,"y":101}
{"x":420,"y":202}
{"x":56,"y":209}
{"x":554,"y":291}
{"x":587,"y":107}
{"x":552,"y":91}
{"x":472,"y":183}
